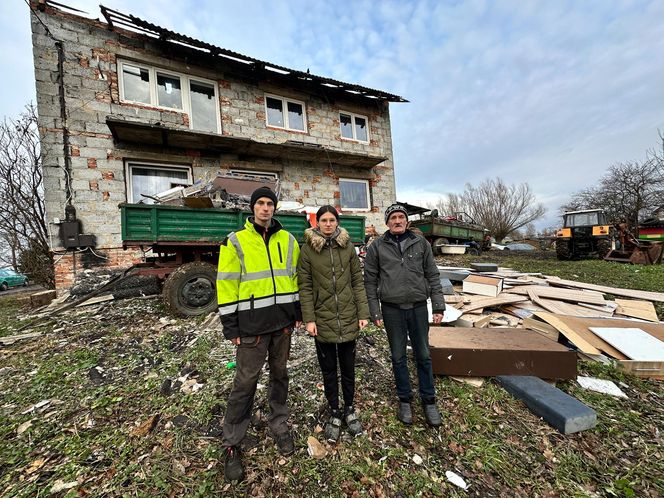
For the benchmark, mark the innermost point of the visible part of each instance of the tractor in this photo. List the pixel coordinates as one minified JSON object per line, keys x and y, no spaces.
{"x":584,"y":233}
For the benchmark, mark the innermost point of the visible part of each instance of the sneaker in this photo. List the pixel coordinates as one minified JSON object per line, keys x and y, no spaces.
{"x":233,"y":470}
{"x":333,"y":427}
{"x":432,"y":415}
{"x":285,"y":443}
{"x":405,"y":413}
{"x":352,"y":422}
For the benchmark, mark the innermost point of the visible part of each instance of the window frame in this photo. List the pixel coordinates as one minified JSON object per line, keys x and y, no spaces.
{"x":185,"y":90}
{"x":367,"y":190}
{"x":354,"y":115}
{"x":129,"y":164}
{"x":257,"y":174}
{"x":284,"y":110}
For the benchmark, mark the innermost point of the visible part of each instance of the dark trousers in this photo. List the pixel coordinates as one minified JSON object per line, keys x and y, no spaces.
{"x":329,"y":355}
{"x":249,"y":361}
{"x":414,"y":323}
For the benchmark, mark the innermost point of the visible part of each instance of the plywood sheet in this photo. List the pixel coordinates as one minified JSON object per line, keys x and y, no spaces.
{"x":560,"y":294}
{"x":563,"y":308}
{"x":635,"y":343}
{"x":543,"y":328}
{"x":646,"y":369}
{"x":498,"y":351}
{"x":582,"y":339}
{"x":644,"y":310}
{"x":616,"y":291}
{"x":494,"y":301}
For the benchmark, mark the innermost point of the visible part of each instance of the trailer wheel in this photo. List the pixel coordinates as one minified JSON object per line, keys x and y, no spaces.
{"x":436,"y":245}
{"x":473,"y":251}
{"x":191,"y":289}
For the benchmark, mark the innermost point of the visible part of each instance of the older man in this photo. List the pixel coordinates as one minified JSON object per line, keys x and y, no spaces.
{"x":400,"y":275}
{"x":258,"y":301}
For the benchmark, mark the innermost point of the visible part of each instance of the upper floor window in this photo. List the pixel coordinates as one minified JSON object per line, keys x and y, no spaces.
{"x":195,"y":96}
{"x":285,"y":113}
{"x":354,"y":126}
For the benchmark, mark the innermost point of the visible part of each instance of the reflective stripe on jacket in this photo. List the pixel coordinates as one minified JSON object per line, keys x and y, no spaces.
{"x":257,"y":290}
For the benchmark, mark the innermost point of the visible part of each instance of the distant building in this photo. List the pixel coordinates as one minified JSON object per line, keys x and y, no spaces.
{"x":128,"y":108}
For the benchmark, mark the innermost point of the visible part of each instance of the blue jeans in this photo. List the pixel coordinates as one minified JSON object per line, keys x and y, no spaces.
{"x":414,"y":323}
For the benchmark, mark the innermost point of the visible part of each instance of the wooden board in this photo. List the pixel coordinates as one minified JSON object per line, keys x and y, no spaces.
{"x":644,"y":310}
{"x":647,"y":369}
{"x":498,"y":351}
{"x":578,"y":338}
{"x":635,"y":294}
{"x":563,"y":308}
{"x":560,"y":294}
{"x":543,"y":328}
{"x":494,"y":301}
{"x":633,"y":342}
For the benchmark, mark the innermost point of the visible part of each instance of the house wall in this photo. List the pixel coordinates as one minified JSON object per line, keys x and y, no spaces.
{"x":96,"y":181}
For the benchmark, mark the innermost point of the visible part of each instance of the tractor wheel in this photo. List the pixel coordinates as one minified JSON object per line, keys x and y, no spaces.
{"x":191,"y":289}
{"x":4,"y":286}
{"x":603,"y":248}
{"x":562,"y":250}
{"x":473,"y":251}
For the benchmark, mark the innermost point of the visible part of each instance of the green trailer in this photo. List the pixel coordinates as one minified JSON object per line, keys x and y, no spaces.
{"x":184,"y":243}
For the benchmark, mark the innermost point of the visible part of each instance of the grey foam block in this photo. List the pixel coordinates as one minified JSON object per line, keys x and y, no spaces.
{"x":454,"y":275}
{"x":562,"y":411}
{"x":448,"y":289}
{"x":484,"y":267}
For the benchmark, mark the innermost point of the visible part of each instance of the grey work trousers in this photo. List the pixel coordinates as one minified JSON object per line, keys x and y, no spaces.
{"x":250,"y":358}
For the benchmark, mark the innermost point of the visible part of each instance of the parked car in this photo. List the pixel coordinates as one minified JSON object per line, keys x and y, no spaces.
{"x":9,"y":278}
{"x":519,"y":247}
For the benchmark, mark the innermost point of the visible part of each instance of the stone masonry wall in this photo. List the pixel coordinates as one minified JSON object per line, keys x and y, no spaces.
{"x":96,"y":183}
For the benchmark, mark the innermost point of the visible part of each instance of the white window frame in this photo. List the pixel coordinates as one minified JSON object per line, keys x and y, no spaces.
{"x":256,"y":174}
{"x":352,"y":120}
{"x":353,"y":180}
{"x":156,"y":166}
{"x":284,"y":110}
{"x":185,"y":88}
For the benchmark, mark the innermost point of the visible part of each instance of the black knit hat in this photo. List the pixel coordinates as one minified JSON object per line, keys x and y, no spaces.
{"x":327,"y":209}
{"x":393,"y":209}
{"x":262,"y":192}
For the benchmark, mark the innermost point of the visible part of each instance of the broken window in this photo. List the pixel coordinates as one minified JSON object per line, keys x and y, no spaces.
{"x":353,"y":126}
{"x":136,"y":83}
{"x":195,"y":96}
{"x":149,"y":179}
{"x":354,"y":194}
{"x":284,"y":113}
{"x":169,"y":93}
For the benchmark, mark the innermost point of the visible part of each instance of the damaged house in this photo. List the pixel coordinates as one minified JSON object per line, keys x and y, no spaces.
{"x":128,"y":109}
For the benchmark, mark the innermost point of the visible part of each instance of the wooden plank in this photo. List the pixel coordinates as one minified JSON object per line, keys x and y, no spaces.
{"x":647,"y":369}
{"x":644,"y":310}
{"x":561,"y":294}
{"x":569,"y":309}
{"x":498,"y":351}
{"x":543,"y":328}
{"x":654,"y":329}
{"x":454,"y":299}
{"x":635,"y":294}
{"x":578,"y":338}
{"x":633,"y":342}
{"x":494,"y":301}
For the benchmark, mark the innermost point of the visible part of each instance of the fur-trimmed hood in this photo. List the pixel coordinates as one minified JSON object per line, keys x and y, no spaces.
{"x":316,"y":240}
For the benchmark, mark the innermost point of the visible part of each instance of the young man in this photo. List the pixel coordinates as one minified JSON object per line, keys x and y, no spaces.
{"x":258,"y":301}
{"x":399,"y":275}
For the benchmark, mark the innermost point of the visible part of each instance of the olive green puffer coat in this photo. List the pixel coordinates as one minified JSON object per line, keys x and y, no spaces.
{"x":331,"y":286}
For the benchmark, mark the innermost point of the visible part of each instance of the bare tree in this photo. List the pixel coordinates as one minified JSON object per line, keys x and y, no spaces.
{"x":628,"y":192}
{"x":22,"y":218}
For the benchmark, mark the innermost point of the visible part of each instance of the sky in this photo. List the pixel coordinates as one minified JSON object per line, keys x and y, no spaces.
{"x":546,"y":92}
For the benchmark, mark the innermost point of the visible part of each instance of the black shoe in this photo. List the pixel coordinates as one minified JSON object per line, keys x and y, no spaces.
{"x":352,"y":422}
{"x":432,"y":415}
{"x":233,"y":470}
{"x":405,"y":413}
{"x":285,"y":443}
{"x":333,"y":427}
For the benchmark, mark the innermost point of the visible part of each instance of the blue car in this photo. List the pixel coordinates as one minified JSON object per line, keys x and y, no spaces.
{"x":9,"y":278}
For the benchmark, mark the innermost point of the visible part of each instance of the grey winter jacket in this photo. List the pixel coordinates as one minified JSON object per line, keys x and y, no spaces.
{"x":393,"y":278}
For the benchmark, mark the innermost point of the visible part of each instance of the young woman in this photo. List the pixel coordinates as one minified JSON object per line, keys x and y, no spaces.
{"x":334,"y":308}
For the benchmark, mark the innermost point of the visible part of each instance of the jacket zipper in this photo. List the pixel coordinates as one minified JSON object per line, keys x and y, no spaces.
{"x":334,"y":286}
{"x":269,"y":260}
{"x":279,"y":247}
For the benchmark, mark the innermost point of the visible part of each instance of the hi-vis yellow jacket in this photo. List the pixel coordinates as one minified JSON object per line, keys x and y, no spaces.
{"x":257,"y":288}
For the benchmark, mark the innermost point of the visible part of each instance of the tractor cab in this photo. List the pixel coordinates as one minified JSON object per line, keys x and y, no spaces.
{"x":584,"y":233}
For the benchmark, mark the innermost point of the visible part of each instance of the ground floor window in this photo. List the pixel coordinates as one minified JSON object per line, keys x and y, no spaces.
{"x":354,"y":194}
{"x":146,"y":179}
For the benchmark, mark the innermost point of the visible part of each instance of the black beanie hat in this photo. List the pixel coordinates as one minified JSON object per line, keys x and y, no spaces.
{"x":327,"y":209}
{"x":393,"y":209}
{"x":262,"y":192}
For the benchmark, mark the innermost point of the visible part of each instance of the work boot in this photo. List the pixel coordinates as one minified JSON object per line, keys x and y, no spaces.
{"x":352,"y":422}
{"x":285,"y":443}
{"x":432,"y":415}
{"x":405,"y":413}
{"x":233,"y":470}
{"x":333,"y":427}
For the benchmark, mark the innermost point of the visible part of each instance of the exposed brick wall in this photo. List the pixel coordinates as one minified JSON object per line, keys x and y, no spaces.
{"x":98,"y":177}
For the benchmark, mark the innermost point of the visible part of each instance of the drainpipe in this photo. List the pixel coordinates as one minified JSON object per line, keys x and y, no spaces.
{"x":66,"y":146}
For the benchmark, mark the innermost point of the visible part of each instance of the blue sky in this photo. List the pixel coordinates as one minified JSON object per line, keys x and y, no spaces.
{"x":547,"y":92}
